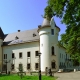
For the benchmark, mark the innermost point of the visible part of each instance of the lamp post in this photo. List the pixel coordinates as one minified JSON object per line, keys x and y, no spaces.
{"x":39,"y":66}
{"x":5,"y":61}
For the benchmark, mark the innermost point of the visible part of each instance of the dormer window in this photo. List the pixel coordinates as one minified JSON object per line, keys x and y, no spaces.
{"x":16,"y":37}
{"x":39,"y":26}
{"x":34,"y":34}
{"x":52,"y":31}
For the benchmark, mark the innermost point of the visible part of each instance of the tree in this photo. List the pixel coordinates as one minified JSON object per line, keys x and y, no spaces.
{"x":48,"y":12}
{"x":69,"y":12}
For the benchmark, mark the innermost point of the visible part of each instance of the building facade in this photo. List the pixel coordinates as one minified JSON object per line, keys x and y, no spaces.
{"x":21,"y":49}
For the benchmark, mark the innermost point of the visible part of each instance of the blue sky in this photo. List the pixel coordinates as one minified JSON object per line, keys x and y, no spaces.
{"x":23,"y":15}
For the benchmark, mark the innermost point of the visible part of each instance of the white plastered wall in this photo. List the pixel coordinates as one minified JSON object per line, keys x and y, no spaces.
{"x":24,"y":48}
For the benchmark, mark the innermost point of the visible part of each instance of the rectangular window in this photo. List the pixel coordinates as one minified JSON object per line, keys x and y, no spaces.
{"x":28,"y":66}
{"x":52,"y":31}
{"x":20,"y":67}
{"x":12,"y":66}
{"x":53,"y":65}
{"x":36,"y":66}
{"x":36,"y":53}
{"x":5,"y":56}
{"x":28,"y":54}
{"x":20,"y":55}
{"x":12,"y":55}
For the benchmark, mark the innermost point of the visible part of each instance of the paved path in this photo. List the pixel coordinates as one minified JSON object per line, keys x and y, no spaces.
{"x":68,"y":76}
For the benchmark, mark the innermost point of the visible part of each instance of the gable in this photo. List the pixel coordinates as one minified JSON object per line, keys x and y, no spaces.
{"x":1,"y":34}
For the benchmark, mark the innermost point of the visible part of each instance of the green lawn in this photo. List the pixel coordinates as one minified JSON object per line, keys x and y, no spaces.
{"x":15,"y":77}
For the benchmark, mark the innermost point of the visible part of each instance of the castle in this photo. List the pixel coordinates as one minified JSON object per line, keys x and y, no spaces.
{"x":22,"y":47}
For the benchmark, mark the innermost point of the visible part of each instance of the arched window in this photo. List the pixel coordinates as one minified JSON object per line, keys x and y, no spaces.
{"x":52,"y":31}
{"x":53,"y":65}
{"x":52,"y":49}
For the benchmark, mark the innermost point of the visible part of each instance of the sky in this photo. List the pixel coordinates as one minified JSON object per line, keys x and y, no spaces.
{"x":23,"y":15}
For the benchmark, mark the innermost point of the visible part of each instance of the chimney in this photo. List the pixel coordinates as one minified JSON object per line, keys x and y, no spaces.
{"x":18,"y":30}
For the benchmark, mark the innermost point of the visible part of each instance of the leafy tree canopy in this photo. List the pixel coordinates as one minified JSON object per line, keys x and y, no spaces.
{"x":69,"y":11}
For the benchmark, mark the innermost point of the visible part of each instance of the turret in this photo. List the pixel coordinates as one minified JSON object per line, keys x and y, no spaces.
{"x":44,"y":33}
{"x":48,"y":39}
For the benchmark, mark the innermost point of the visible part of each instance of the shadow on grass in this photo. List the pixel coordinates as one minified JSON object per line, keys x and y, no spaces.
{"x":29,"y":78}
{"x":3,"y":75}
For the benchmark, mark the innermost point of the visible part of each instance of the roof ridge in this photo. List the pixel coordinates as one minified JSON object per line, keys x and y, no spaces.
{"x":24,"y":31}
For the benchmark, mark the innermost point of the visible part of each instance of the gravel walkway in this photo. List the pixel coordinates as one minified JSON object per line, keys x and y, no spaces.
{"x":68,"y":76}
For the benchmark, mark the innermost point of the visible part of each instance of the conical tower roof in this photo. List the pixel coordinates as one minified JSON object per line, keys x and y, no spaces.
{"x":45,"y":23}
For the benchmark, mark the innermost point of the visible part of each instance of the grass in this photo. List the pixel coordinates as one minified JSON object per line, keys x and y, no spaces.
{"x":15,"y":77}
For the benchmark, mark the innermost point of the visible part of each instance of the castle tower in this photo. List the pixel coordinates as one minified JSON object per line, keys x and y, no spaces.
{"x":48,"y":38}
{"x":1,"y":42}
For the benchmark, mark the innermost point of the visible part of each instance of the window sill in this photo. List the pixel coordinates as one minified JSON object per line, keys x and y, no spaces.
{"x":12,"y":69}
{"x":52,"y":35}
{"x":28,"y":69}
{"x":5,"y":59}
{"x":36,"y":69}
{"x":36,"y":56}
{"x":28,"y":57}
{"x":53,"y":55}
{"x":53,"y":68}
{"x":13,"y":58}
{"x":20,"y":58}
